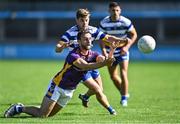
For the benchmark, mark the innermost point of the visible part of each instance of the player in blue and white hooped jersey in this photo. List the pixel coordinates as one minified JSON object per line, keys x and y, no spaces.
{"x":71,"y":35}
{"x":122,"y":27}
{"x":69,"y":39}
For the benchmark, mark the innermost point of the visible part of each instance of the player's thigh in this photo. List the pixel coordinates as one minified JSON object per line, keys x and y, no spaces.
{"x":95,"y":73}
{"x":99,"y":82}
{"x":64,"y":96}
{"x":50,"y":100}
{"x":87,"y":76}
{"x":113,"y":70}
{"x":124,"y":66}
{"x":91,"y":74}
{"x":92,"y":85}
{"x":56,"y":109}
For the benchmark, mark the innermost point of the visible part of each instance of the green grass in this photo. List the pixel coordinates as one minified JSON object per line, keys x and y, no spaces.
{"x":154,"y":90}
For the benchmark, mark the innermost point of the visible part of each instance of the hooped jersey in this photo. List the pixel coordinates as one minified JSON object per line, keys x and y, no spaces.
{"x":119,"y":28}
{"x":70,"y":35}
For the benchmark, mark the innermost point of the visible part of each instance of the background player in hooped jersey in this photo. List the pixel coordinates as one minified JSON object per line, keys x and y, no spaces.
{"x":122,"y":27}
{"x":62,"y":86}
{"x":69,"y":39}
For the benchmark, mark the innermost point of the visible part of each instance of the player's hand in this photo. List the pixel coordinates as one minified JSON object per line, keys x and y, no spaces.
{"x":122,"y":42}
{"x":60,"y":46}
{"x":63,"y":45}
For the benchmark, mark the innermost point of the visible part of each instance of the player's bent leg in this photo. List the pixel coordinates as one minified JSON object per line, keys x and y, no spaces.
{"x":100,"y":95}
{"x":87,"y":78}
{"x":56,"y":109}
{"x":45,"y":109}
{"x":85,"y":97}
{"x":99,"y":82}
{"x":48,"y":104}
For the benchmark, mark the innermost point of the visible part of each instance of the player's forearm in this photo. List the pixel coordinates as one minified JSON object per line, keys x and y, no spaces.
{"x":84,"y":66}
{"x":108,"y":39}
{"x":91,"y":66}
{"x":133,"y":37}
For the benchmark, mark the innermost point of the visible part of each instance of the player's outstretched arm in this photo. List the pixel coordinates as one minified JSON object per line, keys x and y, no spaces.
{"x":108,"y":39}
{"x":84,"y":66}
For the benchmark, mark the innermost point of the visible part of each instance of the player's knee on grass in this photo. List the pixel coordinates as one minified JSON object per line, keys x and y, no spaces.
{"x":43,"y":115}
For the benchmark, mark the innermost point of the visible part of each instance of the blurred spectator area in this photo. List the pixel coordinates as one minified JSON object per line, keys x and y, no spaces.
{"x":45,"y":21}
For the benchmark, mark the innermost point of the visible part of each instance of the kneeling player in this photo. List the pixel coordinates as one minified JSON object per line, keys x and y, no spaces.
{"x":62,"y":86}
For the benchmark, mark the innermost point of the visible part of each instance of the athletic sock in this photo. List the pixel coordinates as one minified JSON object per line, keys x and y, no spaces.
{"x":19,"y":109}
{"x":123,"y":97}
{"x":85,"y":96}
{"x":110,"y":109}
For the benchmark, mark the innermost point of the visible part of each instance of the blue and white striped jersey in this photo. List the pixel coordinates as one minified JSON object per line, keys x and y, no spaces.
{"x":70,"y":35}
{"x":119,"y":28}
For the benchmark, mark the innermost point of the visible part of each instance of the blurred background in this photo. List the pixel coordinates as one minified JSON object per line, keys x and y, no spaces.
{"x":30,"y":29}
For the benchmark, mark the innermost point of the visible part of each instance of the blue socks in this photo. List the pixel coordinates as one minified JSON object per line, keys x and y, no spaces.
{"x":124,"y":98}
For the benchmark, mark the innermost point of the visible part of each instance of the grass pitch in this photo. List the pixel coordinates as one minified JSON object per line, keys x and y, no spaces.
{"x":154,"y":94}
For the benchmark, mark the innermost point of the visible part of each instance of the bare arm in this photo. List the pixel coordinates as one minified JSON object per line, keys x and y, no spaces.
{"x":108,"y":39}
{"x":133,"y":37}
{"x":131,"y":40}
{"x":100,"y":62}
{"x":84,"y":66}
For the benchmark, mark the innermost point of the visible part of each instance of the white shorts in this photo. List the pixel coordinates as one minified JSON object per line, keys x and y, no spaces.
{"x":61,"y":96}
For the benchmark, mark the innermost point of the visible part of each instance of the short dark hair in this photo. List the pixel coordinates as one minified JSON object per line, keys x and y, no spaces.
{"x":81,"y":13}
{"x":80,"y":33}
{"x":113,"y":4}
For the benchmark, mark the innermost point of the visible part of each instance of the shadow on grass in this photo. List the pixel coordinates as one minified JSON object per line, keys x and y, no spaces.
{"x":18,"y":117}
{"x":8,"y":104}
{"x":74,"y":103}
{"x":37,"y":104}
